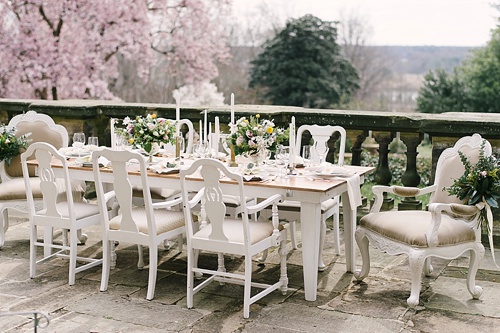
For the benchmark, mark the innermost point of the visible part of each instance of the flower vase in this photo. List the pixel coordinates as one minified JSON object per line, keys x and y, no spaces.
{"x":155,"y":148}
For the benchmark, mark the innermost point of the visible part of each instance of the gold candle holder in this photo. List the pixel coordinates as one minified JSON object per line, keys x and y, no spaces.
{"x":233,"y":163}
{"x":177,"y":148}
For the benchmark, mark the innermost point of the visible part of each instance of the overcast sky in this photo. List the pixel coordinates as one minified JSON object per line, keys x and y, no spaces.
{"x":398,"y":22}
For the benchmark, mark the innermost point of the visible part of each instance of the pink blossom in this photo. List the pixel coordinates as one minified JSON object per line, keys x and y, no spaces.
{"x":484,"y":173}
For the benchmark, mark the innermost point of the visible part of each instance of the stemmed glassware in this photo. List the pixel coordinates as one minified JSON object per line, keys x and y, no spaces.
{"x":79,"y":142}
{"x":321,"y":148}
{"x":283,"y":157}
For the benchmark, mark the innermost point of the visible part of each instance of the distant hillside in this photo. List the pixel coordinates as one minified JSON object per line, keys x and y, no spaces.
{"x":421,"y":59}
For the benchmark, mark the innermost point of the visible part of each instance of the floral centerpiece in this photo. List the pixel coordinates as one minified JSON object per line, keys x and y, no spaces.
{"x":149,"y":133}
{"x":480,"y":186}
{"x":11,"y":145}
{"x":480,"y":183}
{"x":251,"y":136}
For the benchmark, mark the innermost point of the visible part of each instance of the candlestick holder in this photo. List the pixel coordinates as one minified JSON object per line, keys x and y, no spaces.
{"x":233,"y":163}
{"x":178,"y":148}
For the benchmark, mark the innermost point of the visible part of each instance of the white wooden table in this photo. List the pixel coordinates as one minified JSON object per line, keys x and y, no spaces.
{"x":310,"y":194}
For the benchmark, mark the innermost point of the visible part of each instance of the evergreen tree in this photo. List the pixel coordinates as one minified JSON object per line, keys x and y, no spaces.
{"x":302,"y":66}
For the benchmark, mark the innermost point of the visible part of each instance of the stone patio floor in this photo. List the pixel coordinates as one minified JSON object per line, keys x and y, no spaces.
{"x":378,"y":304}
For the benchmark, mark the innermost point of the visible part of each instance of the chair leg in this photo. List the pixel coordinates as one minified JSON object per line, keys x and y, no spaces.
{"x":336,"y":230}
{"x":190,"y":277}
{"x":180,"y":242}
{"x":4,"y":225}
{"x":82,"y":237}
{"x":416,"y":267}
{"x":247,"y":287}
{"x":293,"y":234}
{"x":33,"y":239}
{"x":221,"y":267}
{"x":428,"y":267}
{"x":73,"y":241}
{"x":106,"y":263}
{"x":283,"y":251}
{"x":363,"y":243}
{"x":322,"y":236}
{"x":153,"y":269}
{"x":140,"y":262}
{"x":48,"y":239}
{"x":475,"y":257}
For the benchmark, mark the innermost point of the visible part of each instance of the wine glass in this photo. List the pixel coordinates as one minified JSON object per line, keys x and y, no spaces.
{"x":283,"y":156}
{"x":306,"y":154}
{"x":79,"y":141}
{"x":321,"y":148}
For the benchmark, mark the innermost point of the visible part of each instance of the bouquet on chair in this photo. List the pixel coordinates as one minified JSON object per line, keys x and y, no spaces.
{"x":149,"y":133}
{"x":480,"y":183}
{"x":11,"y":145}
{"x":251,"y":136}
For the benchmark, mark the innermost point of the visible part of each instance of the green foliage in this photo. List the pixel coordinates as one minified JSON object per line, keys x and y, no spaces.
{"x":472,"y":87}
{"x":303,"y":66}
{"x":10,"y":145}
{"x":441,"y":92}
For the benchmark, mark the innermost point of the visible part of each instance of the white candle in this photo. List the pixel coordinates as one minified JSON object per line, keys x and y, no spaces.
{"x":232,"y":108}
{"x":205,"y":127}
{"x":217,"y":135}
{"x":113,"y":134}
{"x":177,"y":111}
{"x":292,"y":141}
{"x":200,"y":139}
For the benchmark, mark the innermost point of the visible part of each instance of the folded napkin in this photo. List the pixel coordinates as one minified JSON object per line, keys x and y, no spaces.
{"x":353,"y":190}
{"x":103,"y":161}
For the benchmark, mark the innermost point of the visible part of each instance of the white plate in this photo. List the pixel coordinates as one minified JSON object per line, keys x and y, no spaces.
{"x":345,"y":173}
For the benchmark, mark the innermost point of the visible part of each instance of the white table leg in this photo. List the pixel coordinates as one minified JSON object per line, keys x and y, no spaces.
{"x":310,"y":217}
{"x":349,"y":218}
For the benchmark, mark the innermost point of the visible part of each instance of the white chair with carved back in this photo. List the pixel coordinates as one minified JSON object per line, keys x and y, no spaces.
{"x":447,"y":230}
{"x":216,"y":232}
{"x":57,"y":213}
{"x":146,"y":225}
{"x":41,"y":128}
{"x":330,"y":208}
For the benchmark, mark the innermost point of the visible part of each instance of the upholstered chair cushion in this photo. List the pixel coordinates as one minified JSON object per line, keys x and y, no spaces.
{"x":166,"y":220}
{"x":233,"y":229}
{"x":410,"y":227}
{"x":294,"y":206}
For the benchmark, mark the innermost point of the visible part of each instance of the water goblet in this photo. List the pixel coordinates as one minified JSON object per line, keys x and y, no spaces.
{"x":321,"y":148}
{"x":283,"y":156}
{"x":79,"y":141}
{"x":306,"y":154}
{"x":93,"y":141}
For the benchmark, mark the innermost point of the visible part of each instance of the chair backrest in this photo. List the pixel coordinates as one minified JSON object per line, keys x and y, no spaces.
{"x":51,"y":187}
{"x":122,"y":185}
{"x":321,"y":134}
{"x":450,"y":166}
{"x":210,"y":192}
{"x":42,"y":128}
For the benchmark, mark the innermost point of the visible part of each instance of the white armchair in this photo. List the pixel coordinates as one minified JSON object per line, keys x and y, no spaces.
{"x":12,"y":189}
{"x":447,"y":230}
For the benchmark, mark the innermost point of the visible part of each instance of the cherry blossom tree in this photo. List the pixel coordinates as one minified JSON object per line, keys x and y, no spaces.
{"x":62,"y":49}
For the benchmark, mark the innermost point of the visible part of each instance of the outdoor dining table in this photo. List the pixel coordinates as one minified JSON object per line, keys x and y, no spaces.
{"x":310,"y":192}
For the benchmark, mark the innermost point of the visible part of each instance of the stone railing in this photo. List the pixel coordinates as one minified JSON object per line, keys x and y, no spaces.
{"x":92,"y":117}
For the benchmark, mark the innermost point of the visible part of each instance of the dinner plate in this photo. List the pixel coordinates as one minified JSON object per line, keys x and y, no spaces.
{"x":344,"y":173}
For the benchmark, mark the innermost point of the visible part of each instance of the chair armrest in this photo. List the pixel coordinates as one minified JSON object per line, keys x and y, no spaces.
{"x":436,"y":209}
{"x":109,"y":195}
{"x":273,"y":200}
{"x":402,"y":191}
{"x":167,"y":203}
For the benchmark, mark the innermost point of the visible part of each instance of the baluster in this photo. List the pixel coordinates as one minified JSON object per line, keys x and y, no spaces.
{"x":411,"y":177}
{"x":357,"y":138}
{"x":382,"y":174}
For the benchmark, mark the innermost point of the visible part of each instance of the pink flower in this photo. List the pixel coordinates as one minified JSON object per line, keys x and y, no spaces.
{"x":483,"y":173}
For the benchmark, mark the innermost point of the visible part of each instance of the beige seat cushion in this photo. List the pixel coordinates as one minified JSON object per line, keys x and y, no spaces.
{"x":157,"y":193}
{"x":233,"y":229}
{"x":409,"y":227}
{"x":82,"y":209}
{"x":166,"y":220}
{"x":14,"y":189}
{"x":294,"y":206}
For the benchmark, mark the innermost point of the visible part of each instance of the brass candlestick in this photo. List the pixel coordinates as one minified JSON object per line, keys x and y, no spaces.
{"x":177,"y":148}
{"x":233,"y":163}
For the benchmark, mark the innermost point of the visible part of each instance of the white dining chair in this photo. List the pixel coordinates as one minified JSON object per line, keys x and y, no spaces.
{"x":147,"y":225}
{"x":447,"y":230}
{"x":60,"y":210}
{"x":216,"y":232}
{"x":290,"y":209}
